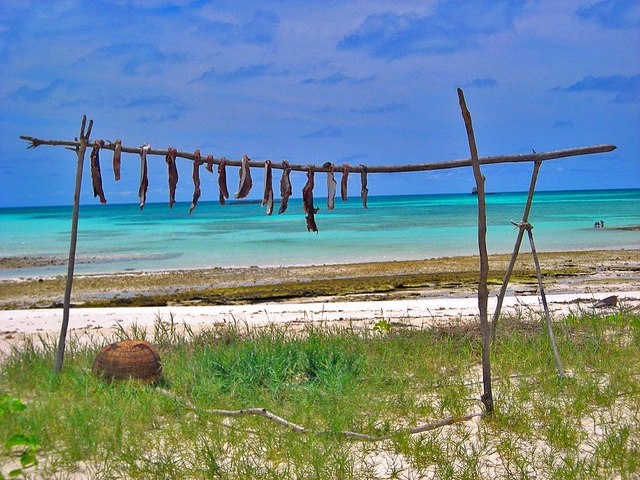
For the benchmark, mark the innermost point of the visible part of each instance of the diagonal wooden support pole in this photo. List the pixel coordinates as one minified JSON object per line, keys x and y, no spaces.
{"x":523,"y":226}
{"x":80,"y":151}
{"x":552,"y":337}
{"x":516,"y":249}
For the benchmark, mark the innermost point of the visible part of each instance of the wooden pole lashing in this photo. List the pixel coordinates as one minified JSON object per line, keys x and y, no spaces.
{"x":483,"y":292}
{"x":80,"y":152}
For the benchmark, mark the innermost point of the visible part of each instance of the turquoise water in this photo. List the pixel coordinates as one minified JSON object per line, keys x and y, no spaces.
{"x":118,"y":238}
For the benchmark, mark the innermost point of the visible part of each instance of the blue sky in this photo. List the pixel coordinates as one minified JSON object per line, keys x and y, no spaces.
{"x":363,"y":82}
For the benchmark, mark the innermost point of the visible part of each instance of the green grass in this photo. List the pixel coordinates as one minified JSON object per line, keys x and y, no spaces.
{"x":376,"y":381}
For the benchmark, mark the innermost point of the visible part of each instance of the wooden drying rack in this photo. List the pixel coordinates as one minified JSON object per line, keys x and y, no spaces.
{"x":488,"y":330}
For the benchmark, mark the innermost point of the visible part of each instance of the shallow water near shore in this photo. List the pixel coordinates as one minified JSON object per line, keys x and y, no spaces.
{"x":120,"y":237}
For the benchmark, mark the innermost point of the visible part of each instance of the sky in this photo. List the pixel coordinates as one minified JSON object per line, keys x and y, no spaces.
{"x":360,"y":82}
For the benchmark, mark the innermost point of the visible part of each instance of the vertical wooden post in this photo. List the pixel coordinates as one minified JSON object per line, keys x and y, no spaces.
{"x":80,"y":151}
{"x":516,"y":249}
{"x":483,"y":292}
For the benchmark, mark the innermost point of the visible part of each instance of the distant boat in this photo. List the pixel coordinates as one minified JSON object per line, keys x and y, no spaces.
{"x":474,"y":191}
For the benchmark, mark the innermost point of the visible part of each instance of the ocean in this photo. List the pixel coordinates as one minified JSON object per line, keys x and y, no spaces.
{"x":121,"y":238}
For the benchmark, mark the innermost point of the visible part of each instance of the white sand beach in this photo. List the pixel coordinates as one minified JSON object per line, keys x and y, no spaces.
{"x":103,"y":322}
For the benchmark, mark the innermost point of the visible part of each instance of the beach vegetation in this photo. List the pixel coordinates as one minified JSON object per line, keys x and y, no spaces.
{"x":23,"y":446}
{"x":332,"y":400}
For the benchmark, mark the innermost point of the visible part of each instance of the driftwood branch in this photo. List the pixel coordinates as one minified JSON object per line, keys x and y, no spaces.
{"x":263,"y":412}
{"x":418,"y":167}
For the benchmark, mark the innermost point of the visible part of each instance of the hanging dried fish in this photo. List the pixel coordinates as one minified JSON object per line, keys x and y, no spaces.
{"x":144,"y":180}
{"x":197,"y":161}
{"x":307,"y":202}
{"x":343,"y":182}
{"x":285,"y":187}
{"x":96,"y":175}
{"x":209,"y":161}
{"x":331,"y":186}
{"x":170,"y":158}
{"x":267,"y":198}
{"x":222,"y":181}
{"x":364,"y":191}
{"x":245,"y":183}
{"x":117,"y":157}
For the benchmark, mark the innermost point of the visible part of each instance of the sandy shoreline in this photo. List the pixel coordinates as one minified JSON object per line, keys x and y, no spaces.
{"x":99,"y":325}
{"x":428,"y":292}
{"x":428,"y":311}
{"x":564,"y":272}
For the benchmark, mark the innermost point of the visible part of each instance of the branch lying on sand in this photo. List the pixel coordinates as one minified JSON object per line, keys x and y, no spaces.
{"x":263,"y":412}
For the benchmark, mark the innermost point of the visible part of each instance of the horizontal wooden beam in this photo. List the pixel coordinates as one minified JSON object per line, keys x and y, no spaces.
{"x":416,"y":167}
